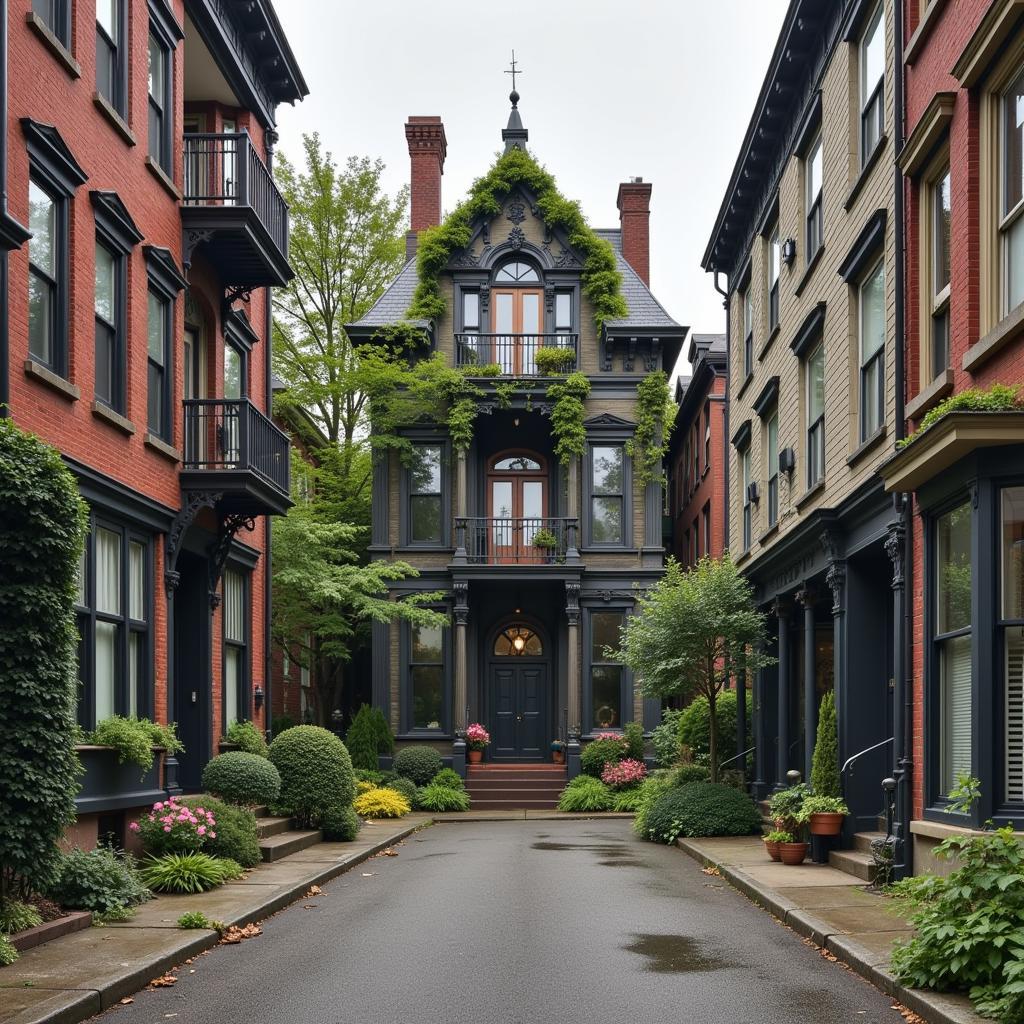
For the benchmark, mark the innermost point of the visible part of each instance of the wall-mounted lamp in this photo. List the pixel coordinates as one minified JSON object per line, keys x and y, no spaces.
{"x":257,"y":696}
{"x":789,"y":251}
{"x":519,"y":643}
{"x":753,"y":492}
{"x":787,"y":460}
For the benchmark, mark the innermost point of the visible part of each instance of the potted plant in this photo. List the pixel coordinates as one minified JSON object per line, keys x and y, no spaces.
{"x":552,"y":361}
{"x":792,"y":852}
{"x":772,"y":841}
{"x":824,"y":815}
{"x":825,"y":810}
{"x":558,"y":751}
{"x":785,"y":807}
{"x":477,"y":739}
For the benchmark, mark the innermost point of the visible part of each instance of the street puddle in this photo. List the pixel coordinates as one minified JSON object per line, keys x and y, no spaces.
{"x":674,"y":954}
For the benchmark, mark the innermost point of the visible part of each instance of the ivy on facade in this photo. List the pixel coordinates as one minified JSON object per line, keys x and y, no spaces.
{"x":567,"y":415}
{"x":655,"y":413}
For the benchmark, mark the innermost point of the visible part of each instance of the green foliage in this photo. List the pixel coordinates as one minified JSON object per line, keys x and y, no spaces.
{"x":248,"y":738}
{"x":778,"y":836}
{"x":340,"y":824}
{"x":381,"y":803}
{"x":420,"y":764}
{"x":405,"y":787}
{"x":42,"y":525}
{"x":441,"y":798}
{"x":600,"y":276}
{"x":701,"y":809}
{"x":135,"y":738}
{"x":626,"y":801}
{"x":695,"y":725}
{"x":691,"y":632}
{"x":195,"y":919}
{"x":969,"y":930}
{"x":787,"y":805}
{"x":283,"y":722}
{"x":449,"y":778}
{"x":649,"y":792}
{"x":822,"y":805}
{"x":963,"y":794}
{"x":690,"y":772}
{"x":665,"y":738}
{"x":186,"y":872}
{"x":237,"y":835}
{"x":567,"y":415}
{"x":316,"y":772}
{"x":8,"y":952}
{"x":997,"y":398}
{"x":554,"y":360}
{"x":99,"y":880}
{"x":655,"y":413}
{"x":597,"y":753}
{"x":364,"y":775}
{"x":368,"y":736}
{"x":240,"y":778}
{"x":544,"y":538}
{"x":633,"y":734}
{"x":16,"y":916}
{"x":586,"y":793}
{"x":825,"y":779}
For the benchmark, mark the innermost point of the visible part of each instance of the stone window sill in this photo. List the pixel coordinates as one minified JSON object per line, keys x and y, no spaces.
{"x":865,"y":173}
{"x":161,"y":175}
{"x":161,"y":447}
{"x":815,"y":260}
{"x":930,"y":396}
{"x":743,"y":387}
{"x":115,"y":419}
{"x":867,"y":445}
{"x":116,"y":120}
{"x":923,"y":30}
{"x":46,"y":376}
{"x":768,"y":534}
{"x":1007,"y":330}
{"x":768,"y":342}
{"x":743,"y":556}
{"x":54,"y":45}
{"x":812,"y":492}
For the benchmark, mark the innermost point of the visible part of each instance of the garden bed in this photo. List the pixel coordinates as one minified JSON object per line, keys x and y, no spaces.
{"x":71,"y":921}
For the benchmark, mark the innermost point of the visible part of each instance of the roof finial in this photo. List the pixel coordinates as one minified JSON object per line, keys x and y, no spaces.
{"x":515,"y":135}
{"x":513,"y":95}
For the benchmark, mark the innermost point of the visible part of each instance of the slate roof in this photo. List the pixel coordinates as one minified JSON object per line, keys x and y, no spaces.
{"x":391,"y":306}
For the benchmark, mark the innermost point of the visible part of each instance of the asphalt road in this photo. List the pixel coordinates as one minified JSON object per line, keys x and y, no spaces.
{"x":560,"y":922}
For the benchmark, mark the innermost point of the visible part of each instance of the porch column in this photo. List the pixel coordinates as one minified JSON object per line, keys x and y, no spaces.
{"x":572,"y":661}
{"x":573,"y":509}
{"x":835,"y":578}
{"x":782,"y":610}
{"x":807,"y":598}
{"x":461,"y":614}
{"x":461,"y":490}
{"x":759,"y":751}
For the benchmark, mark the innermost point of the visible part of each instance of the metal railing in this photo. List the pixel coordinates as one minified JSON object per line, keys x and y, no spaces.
{"x":225,"y":170}
{"x":516,"y":354}
{"x":737,"y":757}
{"x":850,"y":761}
{"x":231,"y":433}
{"x":529,"y":540}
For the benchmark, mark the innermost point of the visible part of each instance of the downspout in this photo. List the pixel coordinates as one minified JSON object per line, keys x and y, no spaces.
{"x":725,"y":410}
{"x":268,"y":326}
{"x":5,"y":355}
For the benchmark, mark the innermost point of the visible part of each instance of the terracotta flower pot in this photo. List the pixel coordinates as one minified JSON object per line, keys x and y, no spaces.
{"x":792,"y":853}
{"x":558,"y":756}
{"x":773,"y":850}
{"x":826,"y":824}
{"x":475,"y":756}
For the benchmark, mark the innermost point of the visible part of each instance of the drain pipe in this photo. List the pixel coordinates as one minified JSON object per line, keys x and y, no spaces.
{"x":268,"y":327}
{"x":725,"y":410}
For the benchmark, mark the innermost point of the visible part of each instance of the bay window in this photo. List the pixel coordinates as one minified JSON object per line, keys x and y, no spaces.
{"x":871,"y":325}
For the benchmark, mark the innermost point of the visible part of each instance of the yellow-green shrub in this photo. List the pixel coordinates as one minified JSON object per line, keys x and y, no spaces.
{"x":364,"y":787}
{"x":381,"y":803}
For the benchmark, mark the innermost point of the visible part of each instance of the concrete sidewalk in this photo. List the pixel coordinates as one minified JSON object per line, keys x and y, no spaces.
{"x":71,"y":978}
{"x":835,"y":911}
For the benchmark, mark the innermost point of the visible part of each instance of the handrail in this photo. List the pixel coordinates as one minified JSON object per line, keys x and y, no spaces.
{"x":749,"y":750}
{"x":500,"y":540}
{"x":861,"y":753}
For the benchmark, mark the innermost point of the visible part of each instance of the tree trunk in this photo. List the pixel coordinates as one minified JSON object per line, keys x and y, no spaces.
{"x":713,"y":723}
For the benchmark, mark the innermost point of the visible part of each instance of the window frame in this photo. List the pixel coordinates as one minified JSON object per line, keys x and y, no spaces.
{"x":611,"y":440}
{"x":626,"y":694}
{"x":748,"y":331}
{"x":813,"y":216}
{"x":117,"y":58}
{"x":872,"y":104}
{"x":164,"y":281}
{"x":406,"y":727}
{"x":746,"y":478}
{"x":815,"y":431}
{"x":869,"y":427}
{"x":772,"y":468}
{"x":57,"y":19}
{"x":427,"y":440}
{"x":774,"y":272}
{"x":56,"y":285}
{"x":707,"y":435}
{"x":167,"y":33}
{"x":706,"y":526}
{"x":243,"y":645}
{"x":159,"y":374}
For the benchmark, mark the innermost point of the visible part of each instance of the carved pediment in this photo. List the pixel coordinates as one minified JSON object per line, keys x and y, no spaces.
{"x":607,"y":419}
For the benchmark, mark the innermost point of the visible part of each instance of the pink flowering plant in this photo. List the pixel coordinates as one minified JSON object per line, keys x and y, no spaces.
{"x":477,"y":737}
{"x":171,"y":827}
{"x":625,"y":773}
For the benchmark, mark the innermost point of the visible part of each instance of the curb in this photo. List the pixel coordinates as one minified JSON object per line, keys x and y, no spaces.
{"x":936,"y":1007}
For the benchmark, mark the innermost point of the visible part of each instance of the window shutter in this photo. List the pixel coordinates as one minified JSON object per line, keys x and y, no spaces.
{"x":961,"y":707}
{"x":1015,"y":715}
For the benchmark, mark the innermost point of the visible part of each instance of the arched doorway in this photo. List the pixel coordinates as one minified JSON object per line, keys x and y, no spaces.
{"x":519,"y":675}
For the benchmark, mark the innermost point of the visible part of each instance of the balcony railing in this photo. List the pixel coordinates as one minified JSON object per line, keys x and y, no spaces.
{"x":536,"y":540}
{"x":232,"y":434}
{"x":516,"y":354}
{"x":225,"y":170}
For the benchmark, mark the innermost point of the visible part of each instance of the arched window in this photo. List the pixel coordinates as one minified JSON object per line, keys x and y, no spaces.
{"x":518,"y":642}
{"x":518,"y":464}
{"x":516,"y":272}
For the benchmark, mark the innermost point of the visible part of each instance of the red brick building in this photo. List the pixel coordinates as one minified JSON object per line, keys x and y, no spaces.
{"x":698,"y":456}
{"x":963,"y":165}
{"x":142,"y":233}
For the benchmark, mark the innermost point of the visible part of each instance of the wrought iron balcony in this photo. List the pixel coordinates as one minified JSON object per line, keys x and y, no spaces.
{"x":516,"y":354}
{"x":504,"y":540}
{"x":232,"y":208}
{"x":233,"y":449}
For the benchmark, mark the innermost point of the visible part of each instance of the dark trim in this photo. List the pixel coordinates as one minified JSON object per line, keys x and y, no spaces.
{"x":99,"y":489}
{"x":809,"y":332}
{"x":768,"y":397}
{"x":239,"y":331}
{"x":114,"y":220}
{"x":588,"y":609}
{"x":809,"y":270}
{"x":405,"y":683}
{"x":164,"y":276}
{"x":427,"y":439}
{"x":380,"y":671}
{"x":865,"y":248}
{"x":741,"y":439}
{"x":853,"y":20}
{"x":116,"y":105}
{"x":243,"y":697}
{"x":380,"y":499}
{"x":51,"y":158}
{"x":809,"y":127}
{"x":162,"y":18}
{"x":605,"y":437}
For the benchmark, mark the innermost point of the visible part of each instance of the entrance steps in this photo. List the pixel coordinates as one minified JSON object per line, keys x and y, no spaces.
{"x":515,"y":787}
{"x":858,"y":861}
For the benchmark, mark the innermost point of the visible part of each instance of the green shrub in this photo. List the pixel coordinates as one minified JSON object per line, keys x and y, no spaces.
{"x":825,"y":779}
{"x":248,"y":738}
{"x":241,"y":778}
{"x":441,"y":798}
{"x":135,"y":738}
{"x":387,"y":777}
{"x":449,"y":778}
{"x":701,"y":809}
{"x":665,"y":738}
{"x":16,"y":916}
{"x":598,"y":753}
{"x":695,"y":725}
{"x":281,"y":723}
{"x":42,"y":524}
{"x":585,"y":793}
{"x":316,"y":772}
{"x":647,"y":796}
{"x":8,"y":952}
{"x":786,"y":806}
{"x":551,"y":361}
{"x":340,"y":824}
{"x":406,"y":787}
{"x":197,"y":919}
{"x":237,"y":835}
{"x":368,"y":736}
{"x":997,"y":398}
{"x":626,"y":800}
{"x":185,"y":872}
{"x":229,"y":868}
{"x":364,"y":775}
{"x":420,"y":764}
{"x":686,"y":773}
{"x":99,"y":880}
{"x":633,"y":734}
{"x":381,"y":803}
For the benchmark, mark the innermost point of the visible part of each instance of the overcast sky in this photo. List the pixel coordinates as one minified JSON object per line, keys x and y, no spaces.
{"x":662,"y":89}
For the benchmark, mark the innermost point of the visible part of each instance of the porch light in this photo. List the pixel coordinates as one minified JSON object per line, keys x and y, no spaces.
{"x":519,"y":643}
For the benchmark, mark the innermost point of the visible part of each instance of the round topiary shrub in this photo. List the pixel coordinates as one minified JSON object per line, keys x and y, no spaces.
{"x":248,"y":737}
{"x":586,"y":793}
{"x":243,"y":779}
{"x":701,"y":809}
{"x":406,"y":787}
{"x":316,"y":772}
{"x":340,"y":824}
{"x":441,"y":798}
{"x":420,"y":764}
{"x":381,"y":803}
{"x":236,"y":833}
{"x":598,"y":753}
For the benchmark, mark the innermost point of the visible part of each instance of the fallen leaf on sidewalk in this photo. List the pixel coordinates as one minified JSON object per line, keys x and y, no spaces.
{"x":165,"y":981}
{"x":314,"y":890}
{"x":908,"y":1015}
{"x":310,"y":906}
{"x":235,"y":934}
{"x":712,"y":870}
{"x":127,"y":1001}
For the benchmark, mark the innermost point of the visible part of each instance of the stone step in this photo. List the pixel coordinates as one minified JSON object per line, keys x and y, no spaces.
{"x":854,"y":862}
{"x":498,"y":785}
{"x":862,"y":840}
{"x":515,"y":804}
{"x":284,"y":844}
{"x":267,"y":826}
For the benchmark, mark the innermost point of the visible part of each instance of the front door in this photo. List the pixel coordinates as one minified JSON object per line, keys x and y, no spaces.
{"x":518,"y":324}
{"x":519,"y":692}
{"x":192,"y":668}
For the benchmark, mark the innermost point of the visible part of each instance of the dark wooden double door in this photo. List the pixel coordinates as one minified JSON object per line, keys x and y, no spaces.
{"x":519,"y":710}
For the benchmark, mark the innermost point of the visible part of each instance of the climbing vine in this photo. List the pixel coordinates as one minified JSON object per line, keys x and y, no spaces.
{"x":567,"y":414}
{"x":600,"y":277}
{"x":654,"y":416}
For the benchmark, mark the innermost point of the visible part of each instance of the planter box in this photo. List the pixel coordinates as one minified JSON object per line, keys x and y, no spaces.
{"x":225,"y":747}
{"x":108,"y":785}
{"x":73,"y":921}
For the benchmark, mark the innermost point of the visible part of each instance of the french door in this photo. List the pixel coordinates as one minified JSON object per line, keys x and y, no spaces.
{"x":517,"y":508}
{"x":518,"y":325}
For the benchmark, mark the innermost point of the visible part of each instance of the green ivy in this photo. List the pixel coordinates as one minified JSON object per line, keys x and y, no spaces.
{"x":567,"y":415}
{"x":600,"y":276}
{"x":998,"y":398}
{"x":654,"y":416}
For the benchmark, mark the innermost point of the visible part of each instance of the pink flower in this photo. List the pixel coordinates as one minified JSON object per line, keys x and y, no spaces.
{"x":625,"y":773}
{"x":201,"y":830}
{"x":134,"y":826}
{"x":158,"y":806}
{"x":213,"y":835}
{"x":167,"y":828}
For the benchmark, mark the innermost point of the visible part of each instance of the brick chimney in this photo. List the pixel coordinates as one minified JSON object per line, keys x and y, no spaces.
{"x":634,"y":202}
{"x":427,"y":149}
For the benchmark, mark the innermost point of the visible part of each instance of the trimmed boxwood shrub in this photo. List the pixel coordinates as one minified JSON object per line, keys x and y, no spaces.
{"x":598,"y":753}
{"x":340,"y":824}
{"x":404,"y":786}
{"x":701,"y":809}
{"x":316,"y":772}
{"x":420,"y":764}
{"x":42,"y":525}
{"x":448,"y":777}
{"x":237,"y":836}
{"x":248,"y":738}
{"x":441,"y":798}
{"x":686,"y":773}
{"x":241,"y":778}
{"x":99,"y":880}
{"x":368,"y":736}
{"x":586,"y":793}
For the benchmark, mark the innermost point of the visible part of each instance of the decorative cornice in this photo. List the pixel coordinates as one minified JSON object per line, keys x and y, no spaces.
{"x":931,"y":126}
